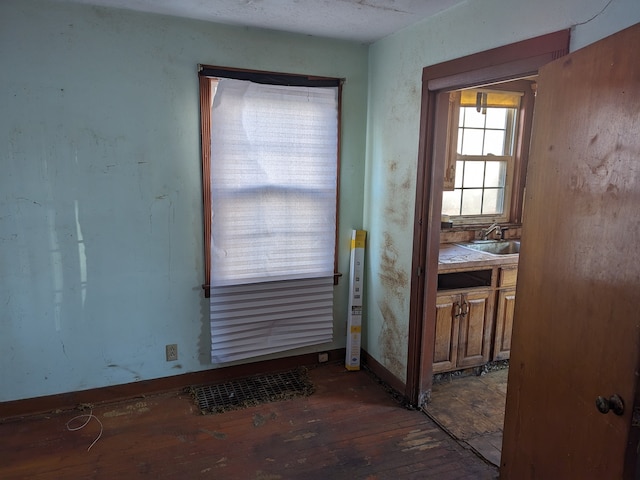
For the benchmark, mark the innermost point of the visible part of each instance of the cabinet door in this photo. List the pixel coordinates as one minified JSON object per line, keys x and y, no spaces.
{"x":475,"y":329}
{"x":446,"y":345}
{"x":504,"y":324}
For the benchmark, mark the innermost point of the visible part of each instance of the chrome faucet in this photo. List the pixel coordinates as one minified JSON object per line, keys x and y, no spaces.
{"x":494,"y":227}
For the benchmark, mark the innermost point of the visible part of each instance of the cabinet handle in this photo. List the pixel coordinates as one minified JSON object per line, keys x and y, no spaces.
{"x":465,"y":308}
{"x":458,"y":310}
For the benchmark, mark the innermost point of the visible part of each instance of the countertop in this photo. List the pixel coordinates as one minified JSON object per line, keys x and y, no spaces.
{"x":454,"y":257}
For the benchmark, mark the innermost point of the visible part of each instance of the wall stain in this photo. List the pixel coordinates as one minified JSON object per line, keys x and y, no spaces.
{"x":394,"y":279}
{"x":399,"y":188}
{"x":395,"y":282}
{"x":135,"y":374}
{"x":391,"y":341}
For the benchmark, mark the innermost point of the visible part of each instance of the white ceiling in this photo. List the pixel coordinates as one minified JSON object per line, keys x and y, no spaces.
{"x":359,"y":20}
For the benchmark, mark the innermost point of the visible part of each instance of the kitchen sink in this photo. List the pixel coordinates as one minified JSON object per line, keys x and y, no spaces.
{"x":494,"y":247}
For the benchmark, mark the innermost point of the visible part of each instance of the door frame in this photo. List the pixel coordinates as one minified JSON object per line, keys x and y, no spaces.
{"x":505,"y":63}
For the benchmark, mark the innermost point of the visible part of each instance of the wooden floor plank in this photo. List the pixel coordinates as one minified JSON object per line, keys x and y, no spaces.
{"x":471,"y":409}
{"x":350,"y":428}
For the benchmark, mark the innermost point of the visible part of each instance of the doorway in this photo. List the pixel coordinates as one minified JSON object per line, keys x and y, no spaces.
{"x":486,"y":150}
{"x":490,"y":67}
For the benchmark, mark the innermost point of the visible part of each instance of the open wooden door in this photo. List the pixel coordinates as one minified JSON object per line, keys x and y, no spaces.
{"x":576,"y":333}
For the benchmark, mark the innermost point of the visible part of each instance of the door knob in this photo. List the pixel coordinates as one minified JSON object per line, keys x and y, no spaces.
{"x":614,"y":403}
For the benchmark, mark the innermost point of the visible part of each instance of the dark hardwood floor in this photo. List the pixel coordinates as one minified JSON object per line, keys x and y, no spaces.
{"x":350,"y":428}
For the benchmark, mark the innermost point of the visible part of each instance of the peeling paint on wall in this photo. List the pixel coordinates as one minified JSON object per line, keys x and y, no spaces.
{"x":394,"y":279}
{"x":392,"y":342}
{"x":400,"y":195}
{"x":394,"y":272}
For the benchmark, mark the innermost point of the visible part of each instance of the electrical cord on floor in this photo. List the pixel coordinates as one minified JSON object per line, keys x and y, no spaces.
{"x":88,"y":417}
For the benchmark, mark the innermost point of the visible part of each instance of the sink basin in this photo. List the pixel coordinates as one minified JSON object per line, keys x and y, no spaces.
{"x":494,"y":247}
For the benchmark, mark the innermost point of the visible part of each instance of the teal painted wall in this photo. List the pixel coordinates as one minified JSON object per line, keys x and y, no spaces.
{"x":395,"y":82}
{"x":100,"y":193}
{"x":101,"y":250}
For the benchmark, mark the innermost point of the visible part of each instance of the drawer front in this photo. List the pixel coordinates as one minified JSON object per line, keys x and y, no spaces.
{"x":508,"y":277}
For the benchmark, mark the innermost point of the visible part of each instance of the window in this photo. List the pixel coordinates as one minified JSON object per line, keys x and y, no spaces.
{"x":271,"y":205}
{"x":483,"y":127}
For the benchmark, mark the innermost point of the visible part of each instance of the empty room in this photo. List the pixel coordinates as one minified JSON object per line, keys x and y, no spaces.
{"x":299,"y":239}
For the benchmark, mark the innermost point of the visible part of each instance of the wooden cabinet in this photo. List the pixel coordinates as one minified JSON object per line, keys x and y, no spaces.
{"x":445,"y":352}
{"x":474,"y":316}
{"x":504,"y":313}
{"x":504,"y":324}
{"x":476,"y":324}
{"x":464,"y":321}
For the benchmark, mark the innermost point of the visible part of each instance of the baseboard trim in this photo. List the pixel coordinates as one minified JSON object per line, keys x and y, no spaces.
{"x":384,"y":375}
{"x":70,"y":400}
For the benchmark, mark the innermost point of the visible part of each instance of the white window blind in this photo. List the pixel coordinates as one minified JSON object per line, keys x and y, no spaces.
{"x":273,"y":216}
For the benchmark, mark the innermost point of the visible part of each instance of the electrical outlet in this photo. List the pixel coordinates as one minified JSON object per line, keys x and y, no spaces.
{"x":323,"y":357}
{"x":172,"y":352}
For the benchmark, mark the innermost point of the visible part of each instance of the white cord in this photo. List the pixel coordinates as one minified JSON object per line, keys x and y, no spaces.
{"x":88,"y":417}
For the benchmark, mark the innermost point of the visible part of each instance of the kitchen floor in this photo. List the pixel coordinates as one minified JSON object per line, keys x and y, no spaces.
{"x":351,"y":427}
{"x":471,"y":409}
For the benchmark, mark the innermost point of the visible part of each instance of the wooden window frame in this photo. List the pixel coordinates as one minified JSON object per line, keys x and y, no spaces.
{"x":205,"y":74}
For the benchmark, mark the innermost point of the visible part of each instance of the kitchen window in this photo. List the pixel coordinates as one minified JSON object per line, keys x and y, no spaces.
{"x":482,"y":155}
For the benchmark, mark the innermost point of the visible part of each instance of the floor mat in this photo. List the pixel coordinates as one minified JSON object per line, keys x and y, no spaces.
{"x":252,"y":391}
